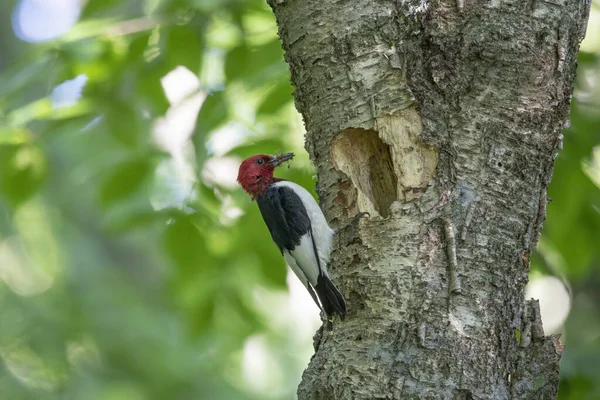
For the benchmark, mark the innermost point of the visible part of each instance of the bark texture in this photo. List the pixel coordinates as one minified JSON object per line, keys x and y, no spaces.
{"x":442,"y":119}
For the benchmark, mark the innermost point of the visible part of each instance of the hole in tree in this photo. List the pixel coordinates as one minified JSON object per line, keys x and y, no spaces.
{"x":366,"y":160}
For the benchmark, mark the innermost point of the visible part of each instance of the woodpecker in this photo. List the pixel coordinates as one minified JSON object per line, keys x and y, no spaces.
{"x":297,"y":226}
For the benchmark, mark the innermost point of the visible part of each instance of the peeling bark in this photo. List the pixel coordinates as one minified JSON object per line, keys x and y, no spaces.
{"x":442,"y":119}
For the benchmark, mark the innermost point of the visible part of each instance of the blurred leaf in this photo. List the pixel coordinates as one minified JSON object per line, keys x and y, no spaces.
{"x":213,"y":113}
{"x":212,"y":5}
{"x":14,"y":136}
{"x":573,"y":222}
{"x":246,"y":313}
{"x":186,"y":245}
{"x":88,"y":51}
{"x":150,"y":92}
{"x":95,"y":7}
{"x":276,"y":98}
{"x":40,"y":108}
{"x":202,"y":314}
{"x":256,"y":237}
{"x":126,"y":123}
{"x":138,"y":46}
{"x":143,"y":219}
{"x":125,"y":179}
{"x":22,"y":171}
{"x":207,"y":199}
{"x":23,"y":74}
{"x":184,"y":46}
{"x":268,"y":145}
{"x":236,"y":62}
{"x":250,"y":63}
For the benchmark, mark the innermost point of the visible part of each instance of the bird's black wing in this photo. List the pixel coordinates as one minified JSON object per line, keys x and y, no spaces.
{"x":285,"y":216}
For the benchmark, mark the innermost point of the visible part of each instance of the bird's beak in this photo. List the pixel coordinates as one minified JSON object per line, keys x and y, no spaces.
{"x":276,"y":161}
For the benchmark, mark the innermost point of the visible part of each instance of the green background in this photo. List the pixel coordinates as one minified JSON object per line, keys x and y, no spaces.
{"x":131,"y":270}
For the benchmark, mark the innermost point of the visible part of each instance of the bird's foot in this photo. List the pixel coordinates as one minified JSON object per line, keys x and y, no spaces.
{"x":327,"y":321}
{"x":318,"y":336}
{"x":354,"y":220}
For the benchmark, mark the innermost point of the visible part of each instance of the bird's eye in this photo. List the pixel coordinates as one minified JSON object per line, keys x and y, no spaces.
{"x":260,"y":161}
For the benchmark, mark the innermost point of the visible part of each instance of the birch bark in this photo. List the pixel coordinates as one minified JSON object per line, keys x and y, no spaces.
{"x":442,"y":119}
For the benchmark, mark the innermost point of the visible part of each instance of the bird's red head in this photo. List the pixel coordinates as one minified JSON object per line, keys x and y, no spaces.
{"x":256,"y":172}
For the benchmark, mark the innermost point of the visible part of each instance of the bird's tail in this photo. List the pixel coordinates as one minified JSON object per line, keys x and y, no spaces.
{"x":331,"y":299}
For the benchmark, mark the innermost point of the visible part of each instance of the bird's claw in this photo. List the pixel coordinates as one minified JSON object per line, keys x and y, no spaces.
{"x":354,"y":220}
{"x":358,"y":216}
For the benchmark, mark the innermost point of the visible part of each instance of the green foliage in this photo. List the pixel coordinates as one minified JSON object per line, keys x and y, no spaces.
{"x":22,"y":171}
{"x":127,"y":272}
{"x":569,"y":247}
{"x":121,"y":274}
{"x":212,"y":114}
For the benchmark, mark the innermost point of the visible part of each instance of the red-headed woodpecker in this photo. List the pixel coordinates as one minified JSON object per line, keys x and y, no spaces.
{"x":297,"y":225}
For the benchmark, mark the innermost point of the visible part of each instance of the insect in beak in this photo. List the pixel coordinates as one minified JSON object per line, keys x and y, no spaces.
{"x":281,"y":158}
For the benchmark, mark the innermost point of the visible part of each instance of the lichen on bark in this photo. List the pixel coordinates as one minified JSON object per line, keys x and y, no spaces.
{"x":443,"y":120}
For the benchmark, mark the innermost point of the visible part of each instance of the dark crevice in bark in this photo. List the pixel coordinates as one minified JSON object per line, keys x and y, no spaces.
{"x":365,"y":159}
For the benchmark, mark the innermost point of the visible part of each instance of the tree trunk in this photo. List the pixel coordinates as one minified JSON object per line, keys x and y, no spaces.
{"x":442,"y":119}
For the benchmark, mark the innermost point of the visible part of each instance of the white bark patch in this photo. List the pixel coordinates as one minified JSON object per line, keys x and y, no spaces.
{"x":464,"y":320}
{"x":414,"y":162}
